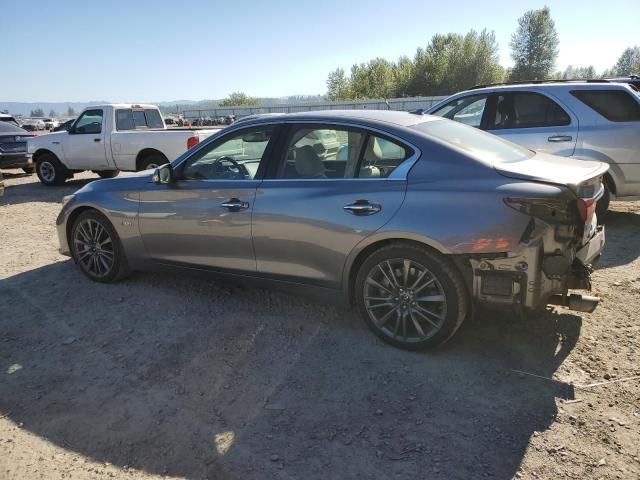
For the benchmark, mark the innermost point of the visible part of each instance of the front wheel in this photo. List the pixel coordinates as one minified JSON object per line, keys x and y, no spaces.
{"x":96,"y":248}
{"x":50,"y":171}
{"x":410,"y":297}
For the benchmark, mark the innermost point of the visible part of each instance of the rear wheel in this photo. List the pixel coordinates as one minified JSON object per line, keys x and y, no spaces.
{"x":96,"y":248}
{"x":410,"y":297}
{"x":152,"y":161}
{"x":107,"y":173}
{"x":50,"y":171}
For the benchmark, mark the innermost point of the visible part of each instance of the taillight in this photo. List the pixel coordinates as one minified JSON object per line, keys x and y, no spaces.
{"x":551,"y":210}
{"x":192,"y":141}
{"x":586,"y":208}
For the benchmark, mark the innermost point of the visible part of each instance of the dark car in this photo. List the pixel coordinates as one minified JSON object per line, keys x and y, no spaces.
{"x":13,"y":148}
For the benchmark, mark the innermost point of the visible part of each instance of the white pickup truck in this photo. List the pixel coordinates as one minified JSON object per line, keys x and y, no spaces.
{"x":109,"y":138}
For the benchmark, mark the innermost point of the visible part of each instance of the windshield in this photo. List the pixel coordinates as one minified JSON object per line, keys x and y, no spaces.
{"x":478,"y":144}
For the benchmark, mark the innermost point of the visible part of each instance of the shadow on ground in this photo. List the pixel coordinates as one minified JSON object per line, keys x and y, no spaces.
{"x":622,"y":234}
{"x":179,"y":375}
{"x":36,"y":191}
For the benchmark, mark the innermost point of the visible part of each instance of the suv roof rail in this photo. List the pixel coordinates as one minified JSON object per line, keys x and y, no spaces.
{"x":536,"y":82}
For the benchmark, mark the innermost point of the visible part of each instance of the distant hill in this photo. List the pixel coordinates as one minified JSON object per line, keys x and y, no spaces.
{"x":24,"y":108}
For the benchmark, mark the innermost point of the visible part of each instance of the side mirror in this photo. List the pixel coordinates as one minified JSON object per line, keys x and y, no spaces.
{"x":164,"y":175}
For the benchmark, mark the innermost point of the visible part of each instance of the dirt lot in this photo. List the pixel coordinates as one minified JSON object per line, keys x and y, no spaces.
{"x":176,"y":376}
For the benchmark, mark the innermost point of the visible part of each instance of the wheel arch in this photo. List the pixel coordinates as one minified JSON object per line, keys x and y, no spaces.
{"x":147,"y":152}
{"x":364,"y":250}
{"x":43,"y":151}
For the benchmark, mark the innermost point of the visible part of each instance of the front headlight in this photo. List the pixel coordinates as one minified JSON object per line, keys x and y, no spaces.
{"x":67,"y":198}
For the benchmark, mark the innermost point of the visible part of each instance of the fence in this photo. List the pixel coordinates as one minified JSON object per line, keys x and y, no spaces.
{"x":403,"y":104}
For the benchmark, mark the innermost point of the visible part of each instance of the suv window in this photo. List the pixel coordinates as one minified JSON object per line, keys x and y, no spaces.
{"x":236,"y":156}
{"x":89,"y":122}
{"x":614,"y":105}
{"x":129,"y":119}
{"x":527,"y":110}
{"x":467,"y":110}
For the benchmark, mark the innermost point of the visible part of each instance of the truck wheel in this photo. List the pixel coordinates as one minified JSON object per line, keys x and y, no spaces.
{"x":410,"y":297}
{"x":50,"y":171}
{"x":152,"y":161}
{"x":107,"y":173}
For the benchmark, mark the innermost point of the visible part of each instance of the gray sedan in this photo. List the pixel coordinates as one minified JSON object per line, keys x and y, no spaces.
{"x":414,"y":219}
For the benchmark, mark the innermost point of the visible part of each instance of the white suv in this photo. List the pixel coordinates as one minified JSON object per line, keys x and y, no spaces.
{"x":590,"y":120}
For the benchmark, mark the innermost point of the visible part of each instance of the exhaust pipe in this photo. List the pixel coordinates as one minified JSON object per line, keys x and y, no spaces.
{"x":581,"y":303}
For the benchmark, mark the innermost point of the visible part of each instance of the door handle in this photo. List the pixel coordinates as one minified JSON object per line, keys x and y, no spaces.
{"x":96,"y":139}
{"x":560,"y":138}
{"x":235,"y":204}
{"x":362,"y":208}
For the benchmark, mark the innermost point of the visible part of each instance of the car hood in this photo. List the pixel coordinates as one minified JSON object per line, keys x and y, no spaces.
{"x":543,"y":167}
{"x":130,"y":182}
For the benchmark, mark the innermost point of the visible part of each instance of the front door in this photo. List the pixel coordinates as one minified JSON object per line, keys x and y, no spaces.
{"x":534,"y":121}
{"x":204,"y":219}
{"x":84,"y":145}
{"x":333,"y":187}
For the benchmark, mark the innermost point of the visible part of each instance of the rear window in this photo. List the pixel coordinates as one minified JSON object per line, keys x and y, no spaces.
{"x":614,"y":105}
{"x":478,"y":144}
{"x":129,"y":119}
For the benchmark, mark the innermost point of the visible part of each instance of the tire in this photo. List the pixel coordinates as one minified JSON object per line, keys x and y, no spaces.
{"x":603,"y":204}
{"x":152,"y":161}
{"x":50,"y":171}
{"x":96,"y":248}
{"x":107,"y":173}
{"x":394,"y":305}
{"x":29,"y":170}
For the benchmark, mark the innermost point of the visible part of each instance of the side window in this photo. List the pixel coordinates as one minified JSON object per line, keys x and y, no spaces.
{"x":527,"y":110}
{"x":381,"y":157}
{"x":322,"y":153}
{"x":89,"y":122}
{"x":236,"y":156}
{"x":467,"y":110}
{"x":614,"y":105}
{"x":129,"y":119}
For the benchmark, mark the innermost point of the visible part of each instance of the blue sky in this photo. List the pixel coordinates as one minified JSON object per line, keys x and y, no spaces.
{"x":167,"y":50}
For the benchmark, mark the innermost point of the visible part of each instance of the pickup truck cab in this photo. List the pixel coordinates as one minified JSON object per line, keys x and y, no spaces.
{"x":109,"y":138}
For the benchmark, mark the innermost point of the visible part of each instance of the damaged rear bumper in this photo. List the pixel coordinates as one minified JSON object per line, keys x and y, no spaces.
{"x":537,"y":274}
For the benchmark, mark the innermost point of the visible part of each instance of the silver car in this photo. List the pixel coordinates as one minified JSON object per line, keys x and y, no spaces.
{"x":418,"y":219}
{"x":583,"y":120}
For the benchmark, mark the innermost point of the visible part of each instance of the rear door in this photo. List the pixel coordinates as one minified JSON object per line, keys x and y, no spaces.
{"x":532,"y":120}
{"x":321,"y":200}
{"x":84,"y":145}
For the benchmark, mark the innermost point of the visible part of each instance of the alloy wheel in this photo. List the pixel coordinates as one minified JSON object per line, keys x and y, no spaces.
{"x":404,"y":300}
{"x":94,"y":248}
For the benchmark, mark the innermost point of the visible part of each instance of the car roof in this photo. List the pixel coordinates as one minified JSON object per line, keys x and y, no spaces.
{"x":404,"y":119}
{"x":560,"y":85}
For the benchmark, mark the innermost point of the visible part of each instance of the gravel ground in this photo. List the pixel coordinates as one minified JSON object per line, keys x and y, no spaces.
{"x":178,"y":376}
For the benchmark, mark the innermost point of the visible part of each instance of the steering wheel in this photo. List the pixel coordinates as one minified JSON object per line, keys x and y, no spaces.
{"x":227,"y":165}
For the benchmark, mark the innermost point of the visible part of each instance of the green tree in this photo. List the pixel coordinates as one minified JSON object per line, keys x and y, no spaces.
{"x":338,"y":86}
{"x":71,"y":112}
{"x":52,"y":113}
{"x":534,"y":46}
{"x":628,"y":63}
{"x":577,"y":73}
{"x":38,"y":112}
{"x":236,"y":99}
